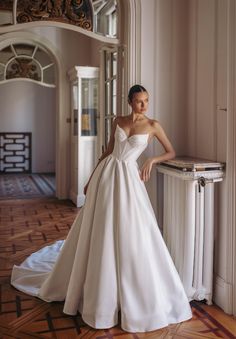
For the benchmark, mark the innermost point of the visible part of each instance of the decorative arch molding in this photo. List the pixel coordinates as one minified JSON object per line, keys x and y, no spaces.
{"x":129,"y":14}
{"x":26,"y":61}
{"x":98,"y":16}
{"x":29,"y":25}
{"x":61,"y":132}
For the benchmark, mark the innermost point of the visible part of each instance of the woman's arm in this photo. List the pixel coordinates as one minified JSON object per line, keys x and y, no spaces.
{"x":108,"y":151}
{"x":159,"y":133}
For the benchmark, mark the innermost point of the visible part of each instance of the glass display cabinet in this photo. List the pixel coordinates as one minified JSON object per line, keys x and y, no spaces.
{"x":84,"y":128}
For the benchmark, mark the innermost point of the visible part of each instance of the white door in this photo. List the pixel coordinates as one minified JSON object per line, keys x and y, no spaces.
{"x":112,"y":79}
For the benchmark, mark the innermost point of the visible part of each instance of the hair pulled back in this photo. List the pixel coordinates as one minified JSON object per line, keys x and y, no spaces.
{"x":135,"y":89}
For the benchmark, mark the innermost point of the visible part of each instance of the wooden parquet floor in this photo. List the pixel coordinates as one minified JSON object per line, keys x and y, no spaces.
{"x":26,"y":226}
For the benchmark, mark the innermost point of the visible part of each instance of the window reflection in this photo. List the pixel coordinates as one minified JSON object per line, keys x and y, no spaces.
{"x":110,"y":65}
{"x":105,"y":17}
{"x":89,"y":106}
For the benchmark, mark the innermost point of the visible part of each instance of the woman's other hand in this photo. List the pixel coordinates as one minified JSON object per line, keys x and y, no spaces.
{"x":145,"y":171}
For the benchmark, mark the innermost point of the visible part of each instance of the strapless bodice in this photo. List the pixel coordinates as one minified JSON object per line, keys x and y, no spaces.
{"x":128,"y":148}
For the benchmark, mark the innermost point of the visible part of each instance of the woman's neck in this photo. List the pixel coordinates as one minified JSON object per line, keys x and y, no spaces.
{"x":136,"y":116}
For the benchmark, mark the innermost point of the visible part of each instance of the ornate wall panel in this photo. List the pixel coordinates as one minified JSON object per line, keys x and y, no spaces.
{"x":27,"y":61}
{"x":15,"y":152}
{"x":23,"y":68}
{"x":76,"y":12}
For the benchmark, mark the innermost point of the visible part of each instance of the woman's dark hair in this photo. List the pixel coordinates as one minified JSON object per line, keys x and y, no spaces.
{"x":135,"y":89}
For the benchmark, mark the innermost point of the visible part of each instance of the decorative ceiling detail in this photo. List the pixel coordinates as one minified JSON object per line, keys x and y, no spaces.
{"x":76,"y":12}
{"x":98,"y":16}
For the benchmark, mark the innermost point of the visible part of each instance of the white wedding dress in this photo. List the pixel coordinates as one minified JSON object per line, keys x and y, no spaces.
{"x":114,"y":257}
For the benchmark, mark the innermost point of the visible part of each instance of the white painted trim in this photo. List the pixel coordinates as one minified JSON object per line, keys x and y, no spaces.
{"x":214,"y":98}
{"x":78,"y":199}
{"x":222,"y":294}
{"x":33,"y":24}
{"x":134,"y":42}
{"x":61,"y":131}
{"x":14,"y":11}
{"x":131,"y":38}
{"x":40,"y":83}
{"x":231,"y":158}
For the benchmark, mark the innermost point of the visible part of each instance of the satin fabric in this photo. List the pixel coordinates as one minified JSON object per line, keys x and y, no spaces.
{"x":114,"y":257}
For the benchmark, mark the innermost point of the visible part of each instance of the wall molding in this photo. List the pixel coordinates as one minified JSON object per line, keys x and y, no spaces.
{"x":30,"y":25}
{"x":225,"y":289}
{"x":231,"y":157}
{"x":130,"y":16}
{"x":61,"y":131}
{"x":134,"y":42}
{"x":222,"y":294}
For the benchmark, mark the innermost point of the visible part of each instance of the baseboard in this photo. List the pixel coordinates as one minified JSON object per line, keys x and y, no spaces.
{"x":223,"y":296}
{"x":78,"y":200}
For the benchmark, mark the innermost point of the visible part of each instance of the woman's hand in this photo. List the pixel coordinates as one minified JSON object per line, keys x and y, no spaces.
{"x":145,"y":171}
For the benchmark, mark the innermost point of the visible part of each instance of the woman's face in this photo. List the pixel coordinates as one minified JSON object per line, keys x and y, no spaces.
{"x":139,"y":103}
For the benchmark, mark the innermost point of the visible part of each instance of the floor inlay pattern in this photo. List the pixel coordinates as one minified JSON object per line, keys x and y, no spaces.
{"x":26,"y":186}
{"x":28,"y":225}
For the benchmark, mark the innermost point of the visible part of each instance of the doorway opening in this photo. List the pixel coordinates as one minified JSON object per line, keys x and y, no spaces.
{"x":28,"y":121}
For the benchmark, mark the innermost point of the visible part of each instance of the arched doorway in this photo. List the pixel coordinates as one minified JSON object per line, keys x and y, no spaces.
{"x":28,"y":115}
{"x":129,"y":17}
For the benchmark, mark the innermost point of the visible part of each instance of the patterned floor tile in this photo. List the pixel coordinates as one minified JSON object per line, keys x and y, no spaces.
{"x":28,"y":225}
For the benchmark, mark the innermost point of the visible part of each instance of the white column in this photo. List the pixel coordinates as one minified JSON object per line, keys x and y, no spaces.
{"x":208,"y":246}
{"x":189,"y":220}
{"x":199,"y":241}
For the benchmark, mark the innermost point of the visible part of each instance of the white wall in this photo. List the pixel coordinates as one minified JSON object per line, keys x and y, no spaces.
{"x":29,"y":107}
{"x":207,"y":95}
{"x":147,"y":80}
{"x":207,"y":72}
{"x":164,"y":74}
{"x":72,"y":49}
{"x":183,"y":64}
{"x":171,"y":70}
{"x":201,"y":80}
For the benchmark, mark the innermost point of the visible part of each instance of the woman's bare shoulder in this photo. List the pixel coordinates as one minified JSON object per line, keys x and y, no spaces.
{"x":152,"y":124}
{"x":155,"y":125}
{"x":116,"y":120}
{"x":121,"y":118}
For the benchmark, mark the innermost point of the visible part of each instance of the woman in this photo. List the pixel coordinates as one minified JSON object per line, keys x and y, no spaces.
{"x":114,"y":258}
{"x":137,"y":122}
